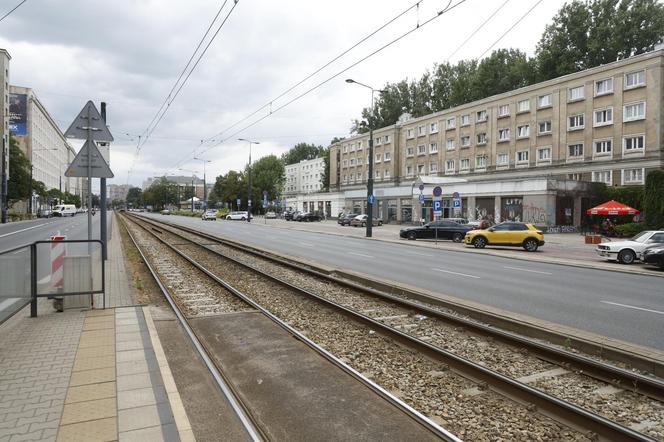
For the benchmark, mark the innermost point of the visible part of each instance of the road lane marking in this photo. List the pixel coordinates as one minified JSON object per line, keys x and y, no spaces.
{"x":418,"y":254}
{"x":306,"y":244}
{"x":526,"y":270}
{"x":360,"y":254}
{"x":456,"y":273}
{"x":23,"y":230}
{"x":633,"y":307}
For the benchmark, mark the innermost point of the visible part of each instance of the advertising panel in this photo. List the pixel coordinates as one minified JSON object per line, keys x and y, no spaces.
{"x":18,"y":114}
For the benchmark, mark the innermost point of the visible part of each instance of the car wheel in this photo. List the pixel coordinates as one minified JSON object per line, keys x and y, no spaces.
{"x":412,"y":236}
{"x":626,"y":257}
{"x":244,"y":219}
{"x":457,"y":237}
{"x":479,"y":242}
{"x":364,"y":224}
{"x":530,"y":245}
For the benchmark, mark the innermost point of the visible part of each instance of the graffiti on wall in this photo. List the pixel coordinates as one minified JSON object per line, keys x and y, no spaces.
{"x":535,"y":214}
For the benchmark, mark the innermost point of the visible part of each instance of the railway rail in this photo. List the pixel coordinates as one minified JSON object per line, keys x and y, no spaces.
{"x":538,"y":378}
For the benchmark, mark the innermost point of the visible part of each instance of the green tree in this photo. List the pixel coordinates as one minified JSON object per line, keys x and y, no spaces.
{"x":39,"y":188}
{"x":653,"y":199}
{"x":134,"y":197}
{"x":54,"y":195}
{"x":69,"y":198}
{"x":161,"y":193}
{"x":504,"y":70}
{"x":325,"y":176}
{"x":18,"y":184}
{"x":267,"y":175}
{"x":228,"y":188}
{"x":301,"y":151}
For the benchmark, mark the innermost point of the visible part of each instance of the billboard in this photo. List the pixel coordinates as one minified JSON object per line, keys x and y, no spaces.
{"x":18,"y":114}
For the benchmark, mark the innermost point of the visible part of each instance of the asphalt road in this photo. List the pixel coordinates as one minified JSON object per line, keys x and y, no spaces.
{"x":618,"y":305}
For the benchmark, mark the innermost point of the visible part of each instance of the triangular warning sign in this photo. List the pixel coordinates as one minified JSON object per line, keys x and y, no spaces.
{"x":89,"y":123}
{"x":89,"y":154}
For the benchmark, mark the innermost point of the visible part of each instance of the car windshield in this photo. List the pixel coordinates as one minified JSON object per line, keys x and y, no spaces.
{"x":641,"y":237}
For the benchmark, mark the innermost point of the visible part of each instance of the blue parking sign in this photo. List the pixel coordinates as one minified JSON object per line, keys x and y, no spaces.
{"x":456,"y":203}
{"x":437,"y":207}
{"x":371,"y":199}
{"x":421,"y":198}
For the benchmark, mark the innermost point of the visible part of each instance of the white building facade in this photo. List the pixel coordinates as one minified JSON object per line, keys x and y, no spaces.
{"x":304,"y":177}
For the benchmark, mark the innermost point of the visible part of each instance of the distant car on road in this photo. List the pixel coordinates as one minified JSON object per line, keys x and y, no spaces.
{"x":507,"y":234}
{"x":209,"y":215}
{"x":271,"y":215}
{"x":308,"y":216}
{"x":442,"y":229}
{"x":457,"y":220}
{"x":479,"y":224}
{"x":165,"y":212}
{"x":64,"y":210}
{"x":361,"y":221}
{"x":291,"y":215}
{"x":44,"y":213}
{"x":653,"y":255}
{"x":345,"y":220}
{"x":626,"y":252}
{"x":235,"y":216}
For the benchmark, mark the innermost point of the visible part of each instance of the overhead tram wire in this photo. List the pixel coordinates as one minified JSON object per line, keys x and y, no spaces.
{"x":447,"y":9}
{"x":511,"y":27}
{"x":169,"y":100}
{"x":365,"y":38}
{"x":14,"y":9}
{"x":477,"y":30}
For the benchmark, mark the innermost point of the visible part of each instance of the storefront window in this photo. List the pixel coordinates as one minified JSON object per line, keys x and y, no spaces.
{"x":406,"y":210}
{"x":392,"y":210}
{"x":512,"y":209}
{"x":485,"y":209}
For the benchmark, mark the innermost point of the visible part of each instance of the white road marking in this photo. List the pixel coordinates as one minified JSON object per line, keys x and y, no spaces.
{"x":633,"y":307}
{"x":23,"y":230}
{"x":526,"y":270}
{"x":456,"y":273}
{"x":418,"y":254}
{"x":306,"y":244}
{"x":360,"y":254}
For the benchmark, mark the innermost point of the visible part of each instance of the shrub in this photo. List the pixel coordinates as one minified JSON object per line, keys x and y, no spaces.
{"x":653,"y":199}
{"x":629,"y":229}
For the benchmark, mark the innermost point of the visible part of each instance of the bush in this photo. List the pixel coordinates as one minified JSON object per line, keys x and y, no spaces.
{"x":629,"y":229}
{"x":221,"y":213}
{"x":19,"y":216}
{"x":193,"y":214}
{"x":653,"y":199}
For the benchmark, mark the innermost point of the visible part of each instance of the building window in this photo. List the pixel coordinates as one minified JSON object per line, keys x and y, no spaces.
{"x":450,"y":144}
{"x":576,"y":122}
{"x":503,"y":159}
{"x":503,"y":134}
{"x":421,"y":149}
{"x":635,"y":79}
{"x":575,"y":150}
{"x":387,"y":139}
{"x":409,"y":170}
{"x":387,"y":156}
{"x":360,"y":160}
{"x":359,"y":145}
{"x":544,"y":127}
{"x":433,"y":148}
{"x":574,"y":176}
{"x":420,"y":169}
{"x":634,"y":111}
{"x":465,"y":141}
{"x":378,"y":141}
{"x":503,"y":110}
{"x":465,"y":120}
{"x":544,"y":101}
{"x":480,"y":162}
{"x":575,"y":93}
{"x":433,"y":128}
{"x":523,"y":131}
{"x":379,"y":157}
{"x":603,"y":147}
{"x":377,"y":174}
{"x":481,"y":138}
{"x":632,"y":176}
{"x":386,"y":174}
{"x":603,"y":87}
{"x":480,"y":116}
{"x":449,"y":166}
{"x":345,"y":148}
{"x":450,"y":123}
{"x":421,"y":131}
{"x":634,"y":143}
{"x":544,"y":155}
{"x":410,"y":152}
{"x":352,"y":161}
{"x":464,"y":164}
{"x":523,"y":106}
{"x":433,"y":167}
{"x":603,"y":117}
{"x":522,"y":157}
{"x":603,"y":176}
{"x":410,"y":133}
{"x":345,"y":163}
{"x":345,"y":178}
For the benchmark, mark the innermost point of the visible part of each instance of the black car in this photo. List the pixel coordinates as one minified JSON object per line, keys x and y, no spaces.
{"x":290,"y":216}
{"x":445,"y":230}
{"x":308,"y":216}
{"x":345,"y":220}
{"x":654,"y":255}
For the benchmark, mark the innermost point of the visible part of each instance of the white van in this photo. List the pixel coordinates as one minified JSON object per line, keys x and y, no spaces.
{"x":64,"y":210}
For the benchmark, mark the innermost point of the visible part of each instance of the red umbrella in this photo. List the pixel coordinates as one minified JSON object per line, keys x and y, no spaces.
{"x":612,"y":208}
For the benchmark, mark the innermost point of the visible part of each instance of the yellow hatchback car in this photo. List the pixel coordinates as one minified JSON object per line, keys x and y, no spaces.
{"x":507,"y":234}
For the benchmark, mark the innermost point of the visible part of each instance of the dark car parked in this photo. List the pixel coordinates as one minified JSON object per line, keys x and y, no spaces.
{"x":445,"y":230}
{"x":654,"y":255}
{"x":345,"y":220}
{"x":308,"y":216}
{"x":290,"y":216}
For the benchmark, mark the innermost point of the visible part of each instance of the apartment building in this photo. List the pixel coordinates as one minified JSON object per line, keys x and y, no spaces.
{"x":4,"y":128}
{"x":304,"y":177}
{"x":527,"y":154}
{"x":117,"y":191}
{"x":184,"y":184}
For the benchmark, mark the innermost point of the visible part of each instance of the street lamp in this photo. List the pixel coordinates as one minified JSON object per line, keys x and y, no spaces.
{"x":193,"y":172}
{"x":204,"y":183}
{"x":250,"y":189}
{"x":370,"y":179}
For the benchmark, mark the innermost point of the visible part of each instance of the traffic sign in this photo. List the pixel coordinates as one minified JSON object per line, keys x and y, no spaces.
{"x":421,"y":187}
{"x":456,"y":203}
{"x":89,"y":155}
{"x":89,"y":125}
{"x":455,"y":195}
{"x":371,"y":199}
{"x":437,"y":207}
{"x":421,"y":198}
{"x":238,"y":201}
{"x":437,"y":191}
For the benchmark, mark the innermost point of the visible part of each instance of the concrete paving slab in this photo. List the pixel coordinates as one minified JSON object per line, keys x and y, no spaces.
{"x":143,"y":417}
{"x":91,"y":392}
{"x":142,"y":397}
{"x":167,"y":433}
{"x":101,"y":430}
{"x":92,"y":376}
{"x":136,"y":381}
{"x":88,"y":411}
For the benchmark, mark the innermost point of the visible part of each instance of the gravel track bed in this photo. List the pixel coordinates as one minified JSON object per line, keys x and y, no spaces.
{"x":195,"y":296}
{"x":455,"y":402}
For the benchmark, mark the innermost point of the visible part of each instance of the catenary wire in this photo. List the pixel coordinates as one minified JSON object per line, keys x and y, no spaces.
{"x":510,"y":28}
{"x":14,"y":9}
{"x":477,"y":30}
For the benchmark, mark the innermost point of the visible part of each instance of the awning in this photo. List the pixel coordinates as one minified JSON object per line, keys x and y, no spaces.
{"x":612,"y":208}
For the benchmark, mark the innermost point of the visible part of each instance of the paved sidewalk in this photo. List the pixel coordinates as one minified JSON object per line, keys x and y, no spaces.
{"x":119,"y":291}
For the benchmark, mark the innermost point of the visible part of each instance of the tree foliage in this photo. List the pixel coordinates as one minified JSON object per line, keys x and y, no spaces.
{"x":18,"y":184}
{"x":134,"y":197}
{"x":325,"y":176}
{"x":653,"y":199}
{"x":267,"y":175}
{"x":228,"y":188}
{"x":161,"y":193}
{"x":301,"y":151}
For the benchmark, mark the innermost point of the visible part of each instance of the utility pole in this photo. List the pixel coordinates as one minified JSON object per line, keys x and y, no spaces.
{"x":250,"y":186}
{"x":102,"y":185}
{"x":3,"y":184}
{"x":32,"y":168}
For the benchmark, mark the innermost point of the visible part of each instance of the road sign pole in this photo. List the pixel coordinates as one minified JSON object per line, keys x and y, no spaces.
{"x":102,"y":200}
{"x":89,"y":140}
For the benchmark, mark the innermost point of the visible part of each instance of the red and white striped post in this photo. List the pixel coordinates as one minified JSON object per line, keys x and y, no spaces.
{"x":58,"y":252}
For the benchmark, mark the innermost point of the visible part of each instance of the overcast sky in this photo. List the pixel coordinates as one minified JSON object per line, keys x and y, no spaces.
{"x":129,"y":53}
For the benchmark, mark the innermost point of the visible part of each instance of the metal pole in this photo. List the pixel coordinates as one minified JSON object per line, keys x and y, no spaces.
{"x":3,"y":186}
{"x":204,"y":189}
{"x":370,"y":181}
{"x":192,"y":193}
{"x":102,"y":185}
{"x":89,"y":140}
{"x":30,"y":201}
{"x":33,"y":280}
{"x":250,"y":189}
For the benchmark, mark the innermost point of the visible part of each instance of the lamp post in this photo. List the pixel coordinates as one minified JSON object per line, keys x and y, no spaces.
{"x":250,"y":189}
{"x":204,"y":182}
{"x":370,"y":179}
{"x":193,"y":172}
